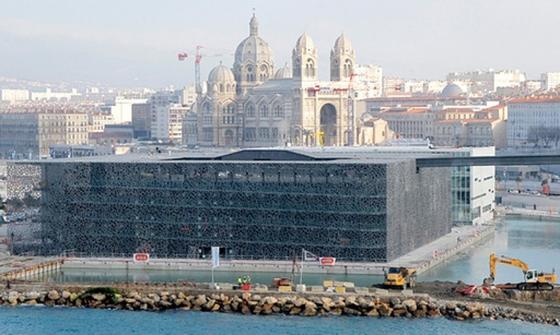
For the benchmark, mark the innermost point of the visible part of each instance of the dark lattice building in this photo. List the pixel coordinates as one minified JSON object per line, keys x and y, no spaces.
{"x":263,"y":204}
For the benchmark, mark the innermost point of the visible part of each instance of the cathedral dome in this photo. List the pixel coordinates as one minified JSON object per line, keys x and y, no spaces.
{"x":221,"y":74}
{"x":343,"y":44}
{"x":451,"y":91}
{"x":305,"y":43}
{"x":253,"y":48}
{"x":284,"y":72}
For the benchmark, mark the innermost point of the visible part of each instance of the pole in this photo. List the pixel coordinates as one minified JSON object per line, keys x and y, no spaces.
{"x":301,"y":268}
{"x":213,"y":277}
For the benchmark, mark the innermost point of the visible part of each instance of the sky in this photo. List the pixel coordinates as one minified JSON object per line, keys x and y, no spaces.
{"x":135,"y":42}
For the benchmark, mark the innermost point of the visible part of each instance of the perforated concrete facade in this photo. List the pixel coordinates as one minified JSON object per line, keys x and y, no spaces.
{"x":355,"y":210}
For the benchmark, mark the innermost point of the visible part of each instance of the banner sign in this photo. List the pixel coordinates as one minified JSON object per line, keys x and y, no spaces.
{"x":327,"y":261}
{"x":141,"y":258}
{"x":215,"y":257}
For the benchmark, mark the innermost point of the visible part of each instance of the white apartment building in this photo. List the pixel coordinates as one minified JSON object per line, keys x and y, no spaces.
{"x":50,"y":95}
{"x":167,"y":122}
{"x":122,"y":110}
{"x":488,"y":80}
{"x":550,"y":80}
{"x":14,"y":95}
{"x":529,"y":117}
{"x":188,"y":98}
{"x":166,"y":116}
{"x":368,"y":81}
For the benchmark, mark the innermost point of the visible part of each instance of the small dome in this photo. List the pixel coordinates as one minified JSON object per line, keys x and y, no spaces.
{"x":305,"y":42}
{"x":284,"y":72}
{"x":342,"y":43}
{"x":451,"y":91}
{"x":221,"y":74}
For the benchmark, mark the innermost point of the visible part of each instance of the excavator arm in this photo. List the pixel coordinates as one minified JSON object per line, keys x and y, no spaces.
{"x":508,"y":261}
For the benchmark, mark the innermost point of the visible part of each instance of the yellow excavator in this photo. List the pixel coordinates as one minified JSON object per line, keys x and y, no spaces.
{"x":534,"y":280}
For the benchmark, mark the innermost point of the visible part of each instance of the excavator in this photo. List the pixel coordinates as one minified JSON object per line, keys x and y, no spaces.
{"x":534,"y":280}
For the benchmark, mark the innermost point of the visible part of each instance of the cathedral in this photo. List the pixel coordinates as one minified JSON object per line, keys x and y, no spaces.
{"x":253,"y":104}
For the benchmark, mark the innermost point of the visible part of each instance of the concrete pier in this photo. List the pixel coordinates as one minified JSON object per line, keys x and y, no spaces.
{"x":423,"y":258}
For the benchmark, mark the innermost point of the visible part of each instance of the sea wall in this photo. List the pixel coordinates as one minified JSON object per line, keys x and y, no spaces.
{"x":414,"y":306}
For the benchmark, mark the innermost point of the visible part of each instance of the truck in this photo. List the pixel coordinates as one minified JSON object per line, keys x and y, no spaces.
{"x":400,"y":277}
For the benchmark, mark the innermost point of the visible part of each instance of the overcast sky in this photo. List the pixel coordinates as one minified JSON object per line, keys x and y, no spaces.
{"x":135,"y":42}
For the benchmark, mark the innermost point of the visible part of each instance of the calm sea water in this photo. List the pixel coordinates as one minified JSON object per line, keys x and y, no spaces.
{"x":38,"y":320}
{"x":535,"y":242}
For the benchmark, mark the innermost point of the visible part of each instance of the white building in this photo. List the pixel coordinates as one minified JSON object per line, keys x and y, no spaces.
{"x":368,"y":81}
{"x":480,"y":82}
{"x":165,"y":124}
{"x":14,"y":95}
{"x":122,"y":110}
{"x":434,"y":86}
{"x":414,"y":86}
{"x":189,"y":96}
{"x":533,"y":121}
{"x":550,"y":80}
{"x":49,"y":95}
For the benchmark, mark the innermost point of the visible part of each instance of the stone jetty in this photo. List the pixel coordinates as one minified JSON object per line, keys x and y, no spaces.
{"x":414,"y":306}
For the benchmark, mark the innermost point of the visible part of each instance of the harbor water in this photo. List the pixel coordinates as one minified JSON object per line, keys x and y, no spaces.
{"x":39,"y":320}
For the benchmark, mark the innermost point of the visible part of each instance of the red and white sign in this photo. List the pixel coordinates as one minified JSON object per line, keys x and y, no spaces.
{"x":327,"y":261}
{"x":141,"y":258}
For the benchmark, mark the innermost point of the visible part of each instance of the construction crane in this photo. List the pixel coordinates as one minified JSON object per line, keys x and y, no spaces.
{"x":534,"y":280}
{"x":351,"y":115}
{"x":197,"y":60}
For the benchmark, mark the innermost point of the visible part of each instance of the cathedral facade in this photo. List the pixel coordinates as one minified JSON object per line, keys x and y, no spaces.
{"x":253,"y":104}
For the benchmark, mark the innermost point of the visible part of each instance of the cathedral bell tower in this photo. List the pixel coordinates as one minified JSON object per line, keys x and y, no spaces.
{"x":343,"y":59}
{"x":304,"y":59}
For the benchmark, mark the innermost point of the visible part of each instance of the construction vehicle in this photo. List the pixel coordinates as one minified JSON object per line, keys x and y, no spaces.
{"x":400,"y":277}
{"x":534,"y":280}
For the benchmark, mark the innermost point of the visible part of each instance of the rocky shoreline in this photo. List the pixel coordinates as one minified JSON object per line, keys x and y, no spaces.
{"x":415,"y":306}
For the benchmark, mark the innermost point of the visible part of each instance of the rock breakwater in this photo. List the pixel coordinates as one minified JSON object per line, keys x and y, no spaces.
{"x":417,"y":306}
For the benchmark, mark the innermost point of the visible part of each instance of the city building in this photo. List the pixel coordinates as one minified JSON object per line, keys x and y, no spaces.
{"x":368,"y":81}
{"x":255,"y":204}
{"x":29,"y":134}
{"x":550,"y":80}
{"x":113,"y":134}
{"x":142,"y":120}
{"x":97,"y":121}
{"x":122,"y":109}
{"x":472,"y":189}
{"x":166,"y":115}
{"x":374,"y":131}
{"x":50,"y":95}
{"x":483,"y":82}
{"x":410,"y":122}
{"x":533,"y":122}
{"x":14,"y":95}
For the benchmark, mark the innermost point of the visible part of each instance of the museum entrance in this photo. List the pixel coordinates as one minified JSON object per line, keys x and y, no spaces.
{"x":327,"y":134}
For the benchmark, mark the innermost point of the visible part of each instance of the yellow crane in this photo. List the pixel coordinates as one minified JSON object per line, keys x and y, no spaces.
{"x":534,"y":280}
